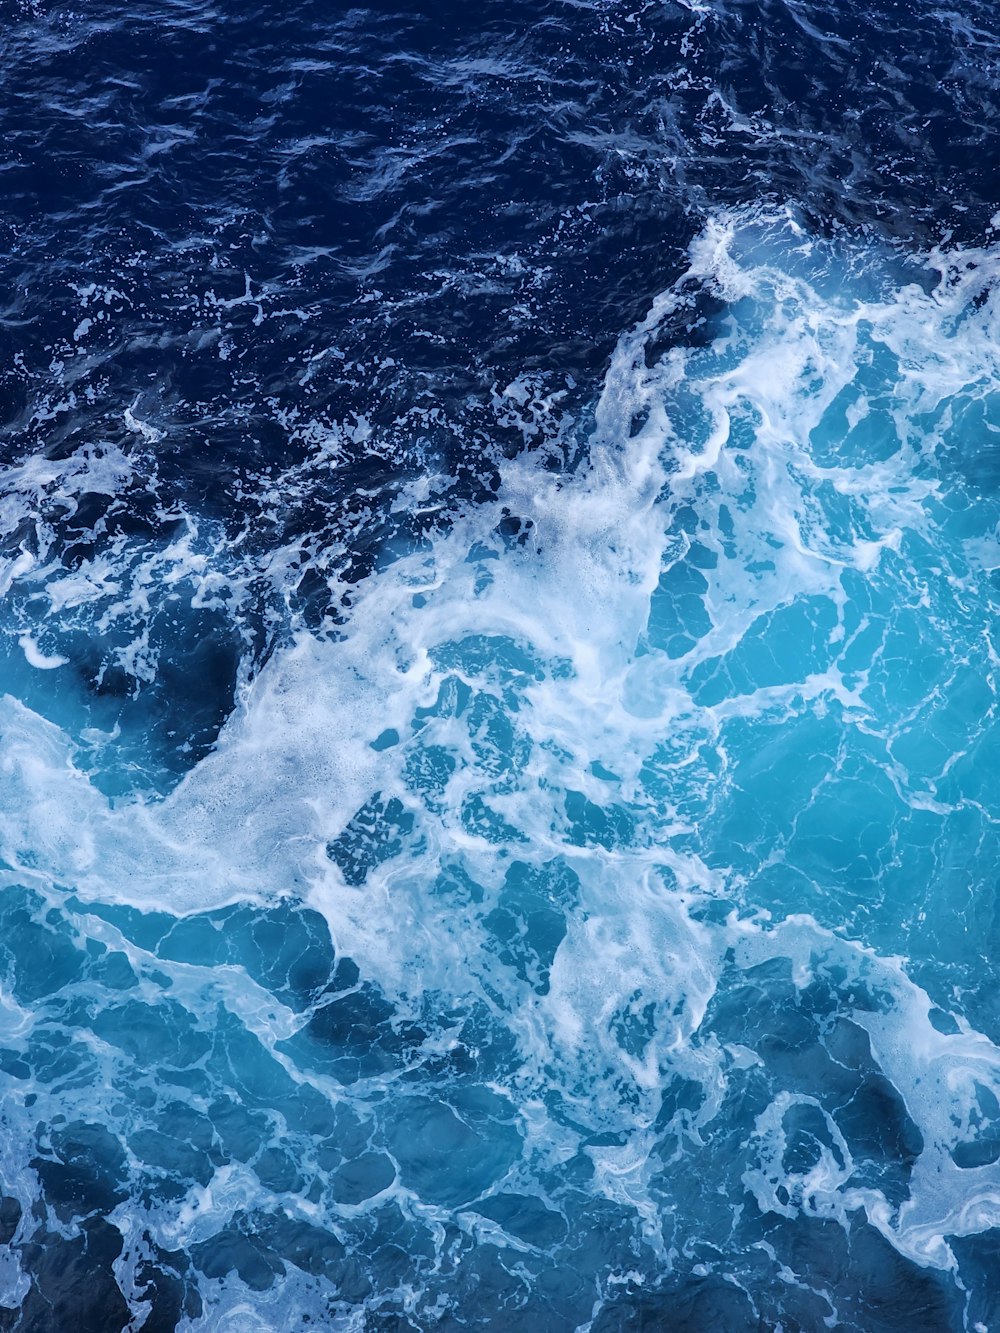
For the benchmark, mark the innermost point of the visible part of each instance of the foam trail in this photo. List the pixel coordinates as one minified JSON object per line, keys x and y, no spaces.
{"x":651,"y":826}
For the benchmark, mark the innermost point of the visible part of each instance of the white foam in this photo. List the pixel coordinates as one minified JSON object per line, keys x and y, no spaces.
{"x":730,"y":433}
{"x":35,"y":656}
{"x":151,"y":434}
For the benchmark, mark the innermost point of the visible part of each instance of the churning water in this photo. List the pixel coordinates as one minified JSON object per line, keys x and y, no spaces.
{"x":499,"y":733}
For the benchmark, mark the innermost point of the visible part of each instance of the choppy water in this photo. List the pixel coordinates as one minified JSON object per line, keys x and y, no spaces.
{"x":499,"y":724}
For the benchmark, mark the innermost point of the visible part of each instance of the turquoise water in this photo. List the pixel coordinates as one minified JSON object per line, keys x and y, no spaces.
{"x":597,"y":929}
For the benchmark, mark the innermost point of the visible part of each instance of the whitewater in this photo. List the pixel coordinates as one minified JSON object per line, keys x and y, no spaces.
{"x":590,"y":927}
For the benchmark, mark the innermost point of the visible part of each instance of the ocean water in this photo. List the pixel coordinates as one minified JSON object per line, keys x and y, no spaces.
{"x":499,"y":658}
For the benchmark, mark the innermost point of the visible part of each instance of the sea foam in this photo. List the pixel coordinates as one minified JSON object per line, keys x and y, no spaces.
{"x":649,"y":811}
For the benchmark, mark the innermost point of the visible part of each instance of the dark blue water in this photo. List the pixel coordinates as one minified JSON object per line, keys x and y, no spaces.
{"x":499,"y":586}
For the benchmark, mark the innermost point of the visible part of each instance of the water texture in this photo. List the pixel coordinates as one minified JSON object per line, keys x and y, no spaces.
{"x":499,"y":514}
